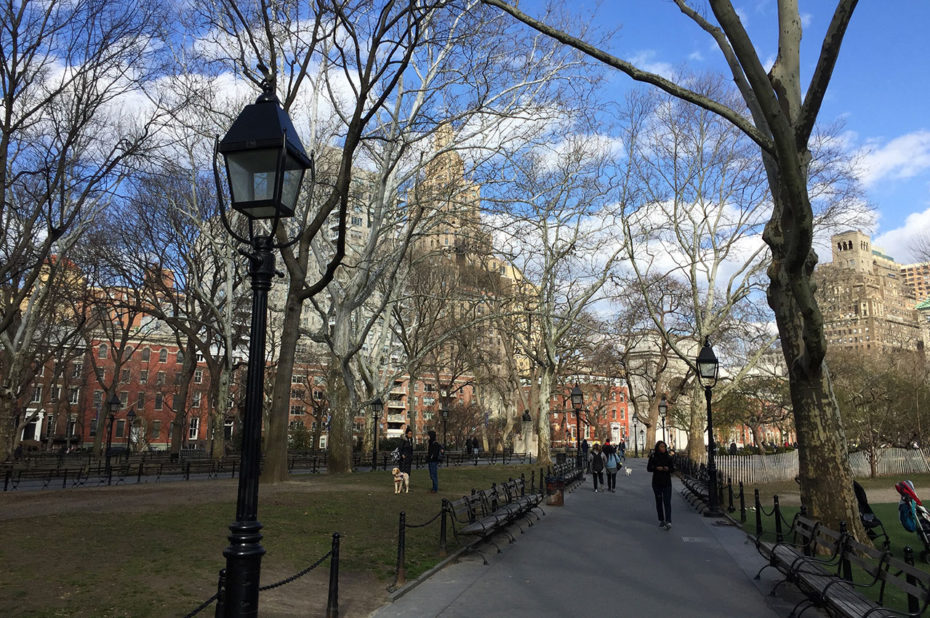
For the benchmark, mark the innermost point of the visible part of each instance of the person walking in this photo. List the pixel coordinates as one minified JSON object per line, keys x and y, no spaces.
{"x":661,"y":465}
{"x":434,"y":452}
{"x":584,"y":453}
{"x":596,"y":464}
{"x":406,"y":452}
{"x":611,"y":463}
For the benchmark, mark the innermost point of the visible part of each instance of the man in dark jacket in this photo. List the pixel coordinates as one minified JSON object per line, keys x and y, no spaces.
{"x":662,"y":466}
{"x":434,"y":452}
{"x":406,"y":451}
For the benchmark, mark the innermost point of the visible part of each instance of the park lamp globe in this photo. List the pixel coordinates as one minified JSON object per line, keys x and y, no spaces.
{"x":265,"y":161}
{"x":707,"y":365}
{"x":577,"y":397}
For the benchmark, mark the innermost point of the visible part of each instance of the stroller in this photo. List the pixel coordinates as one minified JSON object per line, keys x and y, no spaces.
{"x":872,"y":524}
{"x":914,"y":516}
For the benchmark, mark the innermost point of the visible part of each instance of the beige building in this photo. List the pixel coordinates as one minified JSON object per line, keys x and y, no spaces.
{"x":865,"y":300}
{"x":917,"y":277}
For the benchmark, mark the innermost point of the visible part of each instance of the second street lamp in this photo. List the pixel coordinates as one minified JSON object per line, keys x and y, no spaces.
{"x":376,"y":407}
{"x":130,"y":419}
{"x":113,"y":404}
{"x":707,"y":372}
{"x":663,"y":410}
{"x":577,"y":403}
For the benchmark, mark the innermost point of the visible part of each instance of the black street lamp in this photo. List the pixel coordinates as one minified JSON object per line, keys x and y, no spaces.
{"x":707,"y":372}
{"x":663,"y":410}
{"x":376,"y":407}
{"x":635,"y":439}
{"x":577,"y":403}
{"x":642,"y":438}
{"x":113,"y":404}
{"x":130,"y":419}
{"x":445,"y":419}
{"x":265,"y":165}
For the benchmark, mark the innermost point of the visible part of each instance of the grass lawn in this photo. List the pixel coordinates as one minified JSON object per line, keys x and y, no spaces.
{"x":886,"y":511}
{"x":156,"y":549}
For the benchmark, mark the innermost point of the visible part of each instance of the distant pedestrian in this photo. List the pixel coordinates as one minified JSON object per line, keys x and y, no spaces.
{"x":434,"y":451}
{"x":584,"y":453}
{"x":611,"y":464}
{"x":406,"y":451}
{"x":622,"y":448}
{"x":662,"y":466}
{"x":596,"y":463}
{"x":475,"y":447}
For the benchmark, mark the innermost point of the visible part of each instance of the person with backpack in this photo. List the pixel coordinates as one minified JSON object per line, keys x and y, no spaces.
{"x":596,"y":464}
{"x":611,"y":463}
{"x":434,"y":454}
{"x":661,"y":465}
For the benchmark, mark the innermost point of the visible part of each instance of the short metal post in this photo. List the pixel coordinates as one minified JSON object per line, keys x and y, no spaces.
{"x":442,"y":529}
{"x":221,"y":594}
{"x":332,"y":604}
{"x":187,"y":470}
{"x":758,"y":514}
{"x":139,"y":473}
{"x":742,"y":504}
{"x":730,"y":507}
{"x":401,"y":577}
{"x":779,"y":536}
{"x":913,"y":603}
{"x":64,"y":481}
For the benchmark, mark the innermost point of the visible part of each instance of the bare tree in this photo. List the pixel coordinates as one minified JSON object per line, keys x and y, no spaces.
{"x":780,"y":121}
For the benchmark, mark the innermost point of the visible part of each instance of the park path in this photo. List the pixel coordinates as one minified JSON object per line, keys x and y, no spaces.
{"x":604,"y":554}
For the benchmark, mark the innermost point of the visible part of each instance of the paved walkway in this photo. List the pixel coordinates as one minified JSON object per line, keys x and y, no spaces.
{"x":604,"y":554}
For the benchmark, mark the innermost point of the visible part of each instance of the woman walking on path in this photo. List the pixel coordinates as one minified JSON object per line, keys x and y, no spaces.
{"x":662,"y":466}
{"x":611,"y":463}
{"x":596,"y":464}
{"x":406,"y":451}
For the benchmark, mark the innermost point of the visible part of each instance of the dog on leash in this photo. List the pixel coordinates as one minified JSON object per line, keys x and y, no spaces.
{"x":401,"y":481}
{"x":628,"y":471}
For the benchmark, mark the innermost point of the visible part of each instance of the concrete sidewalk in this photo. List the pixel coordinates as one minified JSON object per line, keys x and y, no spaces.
{"x":604,"y":552}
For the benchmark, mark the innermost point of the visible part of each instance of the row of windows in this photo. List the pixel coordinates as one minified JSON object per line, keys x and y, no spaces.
{"x":103,"y":351}
{"x":141,"y":398}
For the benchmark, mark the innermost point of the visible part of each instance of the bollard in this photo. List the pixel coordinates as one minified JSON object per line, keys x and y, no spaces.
{"x":742,"y":504}
{"x":233,"y":475}
{"x":6,"y":480}
{"x":221,"y":595}
{"x":401,"y":577}
{"x":64,"y":481}
{"x":730,"y":507}
{"x":187,"y":470}
{"x":779,"y":537}
{"x":139,"y":473}
{"x":758,"y":514}
{"x":442,"y":529}
{"x":332,"y":604}
{"x":913,"y":603}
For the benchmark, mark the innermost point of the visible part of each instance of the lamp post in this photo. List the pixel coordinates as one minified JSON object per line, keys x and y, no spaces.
{"x":113,"y":404}
{"x":577,"y":402}
{"x":376,"y":407}
{"x":445,"y":419}
{"x":635,"y":438}
{"x":642,"y":438}
{"x":130,"y":419}
{"x":707,"y":372}
{"x":663,"y":410}
{"x":265,"y":165}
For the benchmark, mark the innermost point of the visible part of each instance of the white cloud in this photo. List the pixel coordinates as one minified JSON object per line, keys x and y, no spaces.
{"x":903,"y":157}
{"x":646,"y":61}
{"x":899,"y":243}
{"x":806,"y":20}
{"x":696,"y":56}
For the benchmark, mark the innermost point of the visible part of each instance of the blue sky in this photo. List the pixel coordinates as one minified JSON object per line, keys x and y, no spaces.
{"x":880,"y":88}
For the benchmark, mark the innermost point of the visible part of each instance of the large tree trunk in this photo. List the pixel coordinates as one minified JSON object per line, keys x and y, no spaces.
{"x":339,"y":445}
{"x":544,"y":443}
{"x":275,"y":468}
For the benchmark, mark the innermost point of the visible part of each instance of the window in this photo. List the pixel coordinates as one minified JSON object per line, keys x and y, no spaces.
{"x":160,"y":379}
{"x":53,"y":393}
{"x":143,"y":376}
{"x":163,"y":356}
{"x":156,"y":430}
{"x":179,"y":357}
{"x":101,"y":374}
{"x":140,"y":400}
{"x":146,"y":354}
{"x":196,"y":399}
{"x":356,"y":220}
{"x":77,"y":369}
{"x":317,"y":394}
{"x":36,"y":394}
{"x":125,"y":375}
{"x":120,"y":427}
{"x":102,"y":351}
{"x":124,"y":399}
{"x":98,"y":399}
{"x":297,"y":378}
{"x":74,"y":395}
{"x":297,"y":410}
{"x":159,"y":399}
{"x":93,"y":427}
{"x":297,"y":393}
{"x":176,"y":402}
{"x":194,"y":430}
{"x":198,"y":376}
